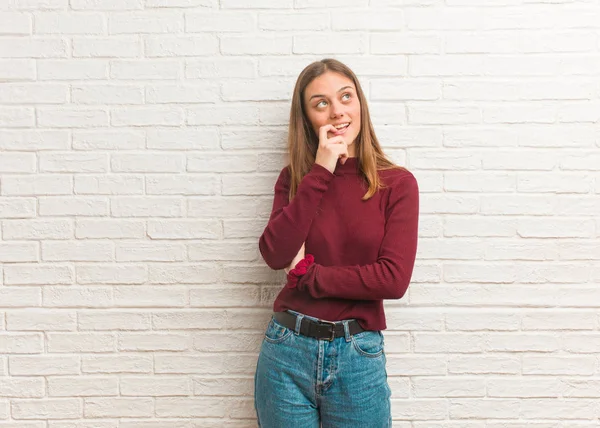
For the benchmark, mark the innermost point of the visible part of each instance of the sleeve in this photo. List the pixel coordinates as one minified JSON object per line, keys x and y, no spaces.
{"x":290,"y":222}
{"x":388,"y":277}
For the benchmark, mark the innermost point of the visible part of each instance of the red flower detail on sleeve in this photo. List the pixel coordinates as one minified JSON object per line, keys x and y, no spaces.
{"x":300,"y":269}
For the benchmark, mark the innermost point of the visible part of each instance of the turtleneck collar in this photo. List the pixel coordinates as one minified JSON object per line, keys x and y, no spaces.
{"x":349,"y":167}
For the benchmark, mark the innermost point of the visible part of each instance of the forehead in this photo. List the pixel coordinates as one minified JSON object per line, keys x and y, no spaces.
{"x":327,"y":83}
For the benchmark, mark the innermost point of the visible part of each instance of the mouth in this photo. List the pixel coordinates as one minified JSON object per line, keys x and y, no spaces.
{"x":341,"y":128}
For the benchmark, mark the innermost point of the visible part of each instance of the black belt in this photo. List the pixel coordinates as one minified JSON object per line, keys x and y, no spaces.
{"x":318,"y":329}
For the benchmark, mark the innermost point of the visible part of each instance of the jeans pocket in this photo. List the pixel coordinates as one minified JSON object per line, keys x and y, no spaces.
{"x":276,"y":333}
{"x":369,"y":343}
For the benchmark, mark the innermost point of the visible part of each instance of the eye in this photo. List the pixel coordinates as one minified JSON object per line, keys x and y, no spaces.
{"x":348,"y":95}
{"x":320,"y":102}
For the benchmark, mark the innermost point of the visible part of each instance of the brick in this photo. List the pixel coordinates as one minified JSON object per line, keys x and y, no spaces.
{"x":263,"y":90}
{"x":244,"y":207}
{"x":207,"y":297}
{"x":17,"y":208}
{"x":347,"y":43}
{"x":44,"y":365}
{"x":15,"y":117}
{"x":52,"y":47}
{"x":384,"y":20}
{"x":73,"y":162}
{"x":231,"y":250}
{"x":145,"y":22}
{"x":119,"y":407}
{"x":88,"y":386}
{"x":188,"y":94}
{"x":58,"y":408}
{"x":386,"y":43}
{"x":21,"y":343}
{"x":454,"y":386}
{"x":33,"y":93}
{"x":145,"y":69}
{"x":107,"y":47}
{"x":39,"y":184}
{"x":71,"y":117}
{"x":151,"y":297}
{"x":94,"y":251}
{"x":109,"y":5}
{"x":180,"y":3}
{"x":111,"y":274}
{"x":152,"y":342}
{"x":159,"y":386}
{"x":407,"y":89}
{"x":109,"y":228}
{"x":68,"y":206}
{"x":37,"y":229}
{"x":41,"y":320}
{"x":251,"y":138}
{"x":121,"y":139}
{"x":219,"y":22}
{"x":23,"y":388}
{"x":223,"y":114}
{"x":258,"y":4}
{"x":184,"y":229}
{"x":72,"y":69}
{"x":80,"y":342}
{"x":297,"y":21}
{"x":150,"y":252}
{"x":184,"y":139}
{"x":177,"y":46}
{"x":234,"y":184}
{"x":188,"y":184}
{"x":306,"y":4}
{"x":17,"y":69}
{"x":68,"y":23}
{"x":14,"y":23}
{"x":168,"y":273}
{"x":219,"y":68}
{"x":19,"y":297}
{"x":18,"y":252}
{"x":113,"y":320}
{"x":146,"y":207}
{"x":118,"y":363}
{"x":38,"y":274}
{"x":255,"y":45}
{"x":105,"y":94}
{"x":18,"y":163}
{"x":113,"y":184}
{"x":147,"y":116}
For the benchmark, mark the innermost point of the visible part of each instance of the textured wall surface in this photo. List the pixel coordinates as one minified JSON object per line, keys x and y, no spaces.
{"x":139,"y":144}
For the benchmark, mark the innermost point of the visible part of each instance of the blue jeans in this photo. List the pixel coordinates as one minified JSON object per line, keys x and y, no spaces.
{"x":302,"y":382}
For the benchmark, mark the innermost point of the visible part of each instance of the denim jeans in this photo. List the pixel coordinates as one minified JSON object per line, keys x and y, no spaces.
{"x":302,"y":382}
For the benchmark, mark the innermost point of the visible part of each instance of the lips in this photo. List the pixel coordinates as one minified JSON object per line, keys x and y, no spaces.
{"x":341,"y":130}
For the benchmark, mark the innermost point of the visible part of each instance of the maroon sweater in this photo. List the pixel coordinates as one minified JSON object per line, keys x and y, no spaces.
{"x":364,"y":250}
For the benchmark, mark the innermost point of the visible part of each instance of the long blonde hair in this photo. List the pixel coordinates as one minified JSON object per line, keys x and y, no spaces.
{"x":303,"y":141}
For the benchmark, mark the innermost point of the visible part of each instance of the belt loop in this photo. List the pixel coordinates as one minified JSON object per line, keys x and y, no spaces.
{"x":346,"y":330}
{"x":298,"y":323}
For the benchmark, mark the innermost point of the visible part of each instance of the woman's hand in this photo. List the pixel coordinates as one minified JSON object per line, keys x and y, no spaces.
{"x":298,"y":257}
{"x":330,"y":149}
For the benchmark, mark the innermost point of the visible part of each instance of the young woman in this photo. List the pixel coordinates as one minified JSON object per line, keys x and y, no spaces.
{"x":344,"y":227}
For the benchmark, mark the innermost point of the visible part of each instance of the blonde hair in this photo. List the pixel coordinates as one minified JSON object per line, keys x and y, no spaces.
{"x":303,"y":142}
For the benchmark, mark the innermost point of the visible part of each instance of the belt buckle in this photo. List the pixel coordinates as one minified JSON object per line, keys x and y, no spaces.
{"x":332,"y":329}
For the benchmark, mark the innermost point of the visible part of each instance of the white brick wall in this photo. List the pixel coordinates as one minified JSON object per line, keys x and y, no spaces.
{"x":139,"y":144}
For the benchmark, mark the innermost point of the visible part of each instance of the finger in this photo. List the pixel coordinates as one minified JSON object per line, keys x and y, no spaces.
{"x":336,"y":140}
{"x":323,"y":131}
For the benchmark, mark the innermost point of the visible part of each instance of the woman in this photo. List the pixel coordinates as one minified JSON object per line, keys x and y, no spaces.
{"x":344,"y":227}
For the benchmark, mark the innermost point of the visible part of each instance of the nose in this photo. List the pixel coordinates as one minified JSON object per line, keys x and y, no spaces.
{"x":337,"y":110}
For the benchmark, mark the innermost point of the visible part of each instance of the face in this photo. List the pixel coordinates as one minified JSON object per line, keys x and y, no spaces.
{"x":331,"y":98}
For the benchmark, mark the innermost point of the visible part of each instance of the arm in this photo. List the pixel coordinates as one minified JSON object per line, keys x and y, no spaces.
{"x":389,"y":276}
{"x":290,"y":221}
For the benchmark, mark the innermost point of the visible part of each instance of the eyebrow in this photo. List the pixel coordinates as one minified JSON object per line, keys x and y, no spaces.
{"x":339,"y":90}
